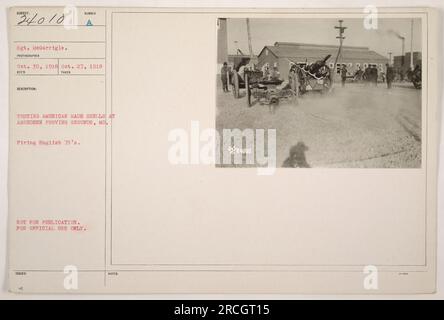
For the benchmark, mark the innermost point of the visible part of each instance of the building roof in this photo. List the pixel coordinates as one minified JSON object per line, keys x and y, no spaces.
{"x":299,"y":44}
{"x":407,"y":54}
{"x":241,"y":56}
{"x":315,"y":51}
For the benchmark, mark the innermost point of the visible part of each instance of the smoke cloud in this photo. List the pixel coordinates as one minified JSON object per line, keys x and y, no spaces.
{"x":395,"y":33}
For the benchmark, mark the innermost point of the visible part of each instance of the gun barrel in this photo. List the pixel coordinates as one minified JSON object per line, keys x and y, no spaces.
{"x":326,"y":58}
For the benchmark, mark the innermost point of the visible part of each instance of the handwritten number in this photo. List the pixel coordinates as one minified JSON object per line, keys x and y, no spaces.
{"x":61,"y":19}
{"x":32,"y":19}
{"x":50,"y":20}
{"x":23,"y":17}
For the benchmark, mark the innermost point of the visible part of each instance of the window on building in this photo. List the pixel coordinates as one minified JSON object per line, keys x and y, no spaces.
{"x":331,"y":65}
{"x":339,"y":67}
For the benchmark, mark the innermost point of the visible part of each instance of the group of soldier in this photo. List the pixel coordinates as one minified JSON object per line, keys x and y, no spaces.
{"x":370,"y":74}
{"x":270,"y":72}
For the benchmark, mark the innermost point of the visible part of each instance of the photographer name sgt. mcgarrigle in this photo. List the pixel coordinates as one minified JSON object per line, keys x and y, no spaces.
{"x":223,"y":309}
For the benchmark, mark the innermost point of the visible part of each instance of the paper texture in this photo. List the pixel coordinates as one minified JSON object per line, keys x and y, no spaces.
{"x":120,"y":183}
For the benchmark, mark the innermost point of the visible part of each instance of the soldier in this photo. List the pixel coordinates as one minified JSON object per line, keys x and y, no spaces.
{"x":242,"y":70}
{"x":343,"y":75}
{"x":390,"y":74}
{"x":401,"y":74}
{"x":416,"y":76}
{"x":275,"y":74}
{"x":358,"y":74}
{"x":265,"y":70}
{"x":417,"y":69}
{"x":367,"y":75}
{"x":374,"y":75}
{"x":223,"y":77}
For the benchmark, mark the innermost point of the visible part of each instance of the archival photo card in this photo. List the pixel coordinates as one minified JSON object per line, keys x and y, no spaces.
{"x":244,"y":151}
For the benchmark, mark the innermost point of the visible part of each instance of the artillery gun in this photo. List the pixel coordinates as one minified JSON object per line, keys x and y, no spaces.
{"x":271,"y":90}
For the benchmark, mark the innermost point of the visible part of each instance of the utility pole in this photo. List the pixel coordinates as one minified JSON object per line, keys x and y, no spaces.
{"x":390,"y":58}
{"x":402,"y":52}
{"x":249,"y":40}
{"x":341,"y":40}
{"x":411,"y":45}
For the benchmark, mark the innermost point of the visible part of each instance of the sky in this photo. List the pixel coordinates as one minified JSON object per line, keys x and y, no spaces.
{"x":266,"y":31}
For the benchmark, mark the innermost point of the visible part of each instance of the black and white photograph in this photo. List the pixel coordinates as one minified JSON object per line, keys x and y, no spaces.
{"x":339,"y":93}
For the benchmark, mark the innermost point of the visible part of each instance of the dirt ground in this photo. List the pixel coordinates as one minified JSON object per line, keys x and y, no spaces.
{"x":356,"y":126}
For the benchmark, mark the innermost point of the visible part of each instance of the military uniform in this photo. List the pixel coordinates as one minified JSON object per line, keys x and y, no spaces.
{"x":343,"y":76}
{"x":390,"y":76}
{"x":224,"y":78}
